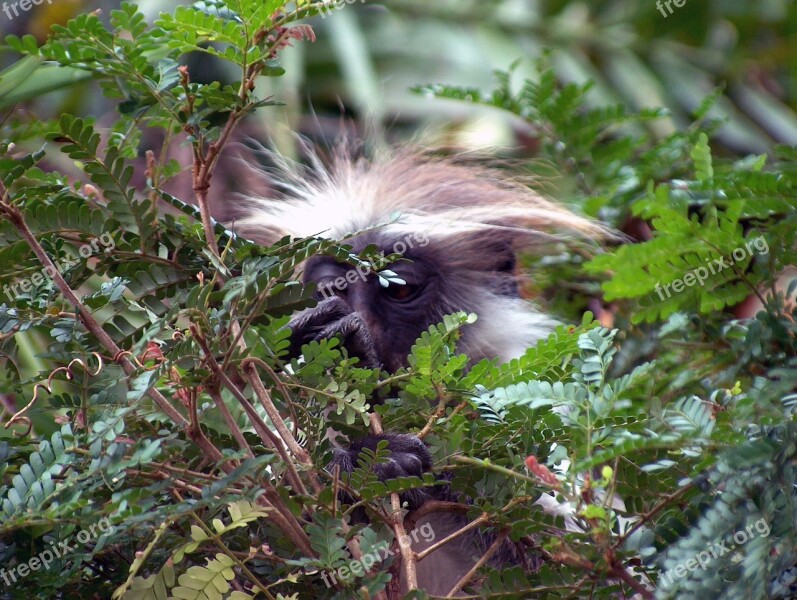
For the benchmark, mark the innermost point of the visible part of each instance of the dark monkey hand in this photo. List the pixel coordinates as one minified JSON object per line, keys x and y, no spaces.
{"x":333,"y":317}
{"x":408,"y":457}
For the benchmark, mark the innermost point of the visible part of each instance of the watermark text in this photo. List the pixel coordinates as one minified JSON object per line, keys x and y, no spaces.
{"x":23,"y":286}
{"x":378,"y":553}
{"x":360,"y":272}
{"x":713,"y":551}
{"x":44,"y":559}
{"x":668,"y":4}
{"x":23,"y":5}
{"x":713,"y":266}
{"x":337,"y":5}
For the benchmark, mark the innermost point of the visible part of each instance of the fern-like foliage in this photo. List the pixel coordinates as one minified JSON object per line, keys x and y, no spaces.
{"x":147,"y":383}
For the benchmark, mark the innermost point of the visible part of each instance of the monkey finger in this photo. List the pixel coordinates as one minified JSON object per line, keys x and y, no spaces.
{"x":408,"y":457}
{"x":355,"y":337}
{"x":307,"y":324}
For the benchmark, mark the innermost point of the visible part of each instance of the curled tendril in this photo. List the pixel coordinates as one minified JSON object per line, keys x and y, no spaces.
{"x":86,"y":366}
{"x":135,"y":359}
{"x":130,"y":355}
{"x":25,"y":433}
{"x":19,"y":415}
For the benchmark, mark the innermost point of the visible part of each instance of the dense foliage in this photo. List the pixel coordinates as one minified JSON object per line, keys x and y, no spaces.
{"x":149,"y":404}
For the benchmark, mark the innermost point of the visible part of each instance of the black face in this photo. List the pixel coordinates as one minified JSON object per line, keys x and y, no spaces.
{"x":377,"y":323}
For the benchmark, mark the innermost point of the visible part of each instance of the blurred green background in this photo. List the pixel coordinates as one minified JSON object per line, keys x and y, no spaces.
{"x":359,"y":73}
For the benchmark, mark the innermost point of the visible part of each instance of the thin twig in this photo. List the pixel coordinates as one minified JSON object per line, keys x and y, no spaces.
{"x":252,"y":377}
{"x":408,"y":560}
{"x":479,"y":563}
{"x":642,"y":519}
{"x":230,"y":421}
{"x":481,"y":520}
{"x":620,"y":572}
{"x":260,"y":426}
{"x":438,"y":414}
{"x":14,"y":215}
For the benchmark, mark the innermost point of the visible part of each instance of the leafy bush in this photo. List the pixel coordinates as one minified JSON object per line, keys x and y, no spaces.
{"x":149,"y":400}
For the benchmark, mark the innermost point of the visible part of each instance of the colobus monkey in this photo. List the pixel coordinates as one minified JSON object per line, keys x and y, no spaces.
{"x":460,"y":226}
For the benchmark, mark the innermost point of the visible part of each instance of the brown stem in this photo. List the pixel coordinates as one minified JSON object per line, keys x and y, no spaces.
{"x":286,"y":521}
{"x":188,"y":472}
{"x":479,"y":564}
{"x":17,"y":220}
{"x":260,"y":426}
{"x":161,"y":476}
{"x":203,"y":171}
{"x":621,"y":573}
{"x":270,"y":440}
{"x":252,"y":377}
{"x":231,"y":424}
{"x":484,"y":518}
{"x":283,"y":390}
{"x":268,"y":437}
{"x":438,"y":413}
{"x":408,"y":560}
{"x":651,"y":513}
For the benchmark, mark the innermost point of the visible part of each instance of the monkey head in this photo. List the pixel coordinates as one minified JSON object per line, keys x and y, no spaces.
{"x":457,"y":228}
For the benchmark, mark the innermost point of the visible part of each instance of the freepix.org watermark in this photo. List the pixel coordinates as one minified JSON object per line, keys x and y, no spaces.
{"x":337,"y":5}
{"x":662,"y":4}
{"x":23,"y":5}
{"x":44,"y":559}
{"x":361,"y":272}
{"x":379,"y":552}
{"x":23,"y":286}
{"x":713,"y":266}
{"x":715,"y":550}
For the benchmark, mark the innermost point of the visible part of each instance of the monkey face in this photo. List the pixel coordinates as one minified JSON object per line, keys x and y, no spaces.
{"x":377,"y":323}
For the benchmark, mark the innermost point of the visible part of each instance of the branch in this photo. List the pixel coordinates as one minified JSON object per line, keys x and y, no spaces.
{"x":621,"y":573}
{"x":231,"y":424}
{"x":438,"y":413}
{"x":260,"y":426}
{"x":484,"y":518}
{"x":408,"y":560}
{"x":252,"y":377}
{"x":16,"y":218}
{"x":652,"y":512}
{"x":479,"y":564}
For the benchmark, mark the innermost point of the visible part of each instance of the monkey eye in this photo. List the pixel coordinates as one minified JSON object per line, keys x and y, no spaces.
{"x":401,"y":293}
